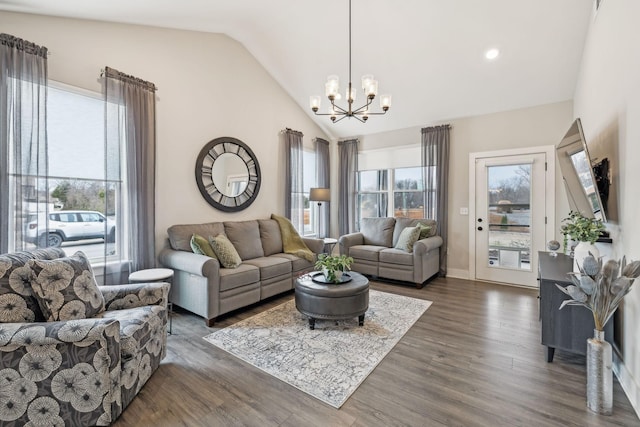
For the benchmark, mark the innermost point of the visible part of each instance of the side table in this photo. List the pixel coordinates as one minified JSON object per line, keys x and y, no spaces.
{"x":155,"y":275}
{"x":329,"y":244}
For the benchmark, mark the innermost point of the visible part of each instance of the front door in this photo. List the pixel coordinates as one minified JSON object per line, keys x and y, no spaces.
{"x":510,"y":217}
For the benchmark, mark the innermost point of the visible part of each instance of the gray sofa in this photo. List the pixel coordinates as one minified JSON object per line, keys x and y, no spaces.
{"x":203,"y":287}
{"x":373,"y":252}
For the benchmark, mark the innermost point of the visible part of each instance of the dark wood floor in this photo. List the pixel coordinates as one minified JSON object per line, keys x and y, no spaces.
{"x":473,"y":359}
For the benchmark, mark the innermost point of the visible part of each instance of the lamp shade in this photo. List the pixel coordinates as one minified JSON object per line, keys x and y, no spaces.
{"x":320,"y":195}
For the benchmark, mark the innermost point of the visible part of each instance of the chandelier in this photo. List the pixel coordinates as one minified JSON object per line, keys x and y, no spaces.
{"x":332,"y":91}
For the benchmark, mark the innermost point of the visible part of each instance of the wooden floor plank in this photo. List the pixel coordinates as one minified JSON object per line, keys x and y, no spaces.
{"x":473,"y":359}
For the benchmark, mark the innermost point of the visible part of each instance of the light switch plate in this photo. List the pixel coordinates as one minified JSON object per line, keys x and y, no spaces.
{"x":464,"y":211}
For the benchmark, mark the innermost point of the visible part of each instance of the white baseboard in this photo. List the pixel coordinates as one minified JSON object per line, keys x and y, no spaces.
{"x":458,"y":273}
{"x":630,"y":387}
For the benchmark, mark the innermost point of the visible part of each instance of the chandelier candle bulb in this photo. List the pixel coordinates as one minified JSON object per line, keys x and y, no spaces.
{"x":315,"y":102}
{"x":372,"y":89}
{"x":351,"y":94}
{"x":385,"y":102}
{"x":367,"y":79}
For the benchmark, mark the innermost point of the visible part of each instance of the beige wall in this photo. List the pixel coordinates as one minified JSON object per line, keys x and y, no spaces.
{"x":529,"y":127}
{"x":209,"y":86}
{"x":607,"y":100}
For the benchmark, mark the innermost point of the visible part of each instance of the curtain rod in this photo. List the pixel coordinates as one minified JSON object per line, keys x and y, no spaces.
{"x":119,"y":75}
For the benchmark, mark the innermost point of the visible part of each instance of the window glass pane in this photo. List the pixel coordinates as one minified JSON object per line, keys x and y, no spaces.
{"x":408,"y":204}
{"x":308,"y":182}
{"x":408,"y":179}
{"x":75,"y":134}
{"x":375,"y":180}
{"x":372,"y":205}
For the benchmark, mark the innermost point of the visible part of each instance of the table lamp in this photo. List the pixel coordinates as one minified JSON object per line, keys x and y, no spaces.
{"x":319,"y":195}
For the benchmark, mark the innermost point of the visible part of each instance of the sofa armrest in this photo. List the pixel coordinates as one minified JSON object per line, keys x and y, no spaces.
{"x":316,"y":245}
{"x":189,"y":262}
{"x":135,"y":295}
{"x":423,"y":246}
{"x":83,"y":354}
{"x":348,"y":240}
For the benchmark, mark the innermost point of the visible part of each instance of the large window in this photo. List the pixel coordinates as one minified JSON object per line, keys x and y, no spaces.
{"x":82,"y":212}
{"x":405,"y":197}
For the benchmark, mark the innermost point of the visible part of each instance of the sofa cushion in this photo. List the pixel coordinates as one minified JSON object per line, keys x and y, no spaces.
{"x":271,"y":266}
{"x":270,"y":236}
{"x":17,"y":301}
{"x":297,"y":264}
{"x":180,"y":235}
{"x":225,"y":251}
{"x":367,"y":252}
{"x":137,"y":326}
{"x":245,"y":236}
{"x":407,"y":238}
{"x":245,"y":274}
{"x":377,"y":231}
{"x":201,"y":246}
{"x":66,"y":288}
{"x":403,"y":222}
{"x":396,"y":256}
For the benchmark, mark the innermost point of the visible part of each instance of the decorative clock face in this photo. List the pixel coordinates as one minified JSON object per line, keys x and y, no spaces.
{"x":228,"y":174}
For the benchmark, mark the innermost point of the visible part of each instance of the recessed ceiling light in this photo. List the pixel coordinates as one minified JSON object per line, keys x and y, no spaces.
{"x":492,"y":54}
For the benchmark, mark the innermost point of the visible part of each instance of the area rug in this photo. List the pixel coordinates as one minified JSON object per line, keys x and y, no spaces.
{"x":329,"y":362}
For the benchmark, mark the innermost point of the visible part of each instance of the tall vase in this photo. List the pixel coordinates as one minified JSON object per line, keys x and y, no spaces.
{"x":582,"y":251}
{"x":599,"y":374}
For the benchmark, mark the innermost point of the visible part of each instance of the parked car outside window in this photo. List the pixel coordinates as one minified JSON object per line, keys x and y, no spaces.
{"x":67,"y":226}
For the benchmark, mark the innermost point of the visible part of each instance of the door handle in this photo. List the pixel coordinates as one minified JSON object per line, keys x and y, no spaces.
{"x":479,"y":219}
{"x":479,"y":228}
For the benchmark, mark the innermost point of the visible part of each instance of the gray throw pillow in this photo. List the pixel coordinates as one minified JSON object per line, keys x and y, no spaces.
{"x":225,"y":251}
{"x":408,"y":237}
{"x":66,"y":288}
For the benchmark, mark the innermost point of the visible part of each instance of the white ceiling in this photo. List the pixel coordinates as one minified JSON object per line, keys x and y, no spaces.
{"x":429,"y":54}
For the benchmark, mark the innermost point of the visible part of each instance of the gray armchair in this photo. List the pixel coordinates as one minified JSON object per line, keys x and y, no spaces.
{"x":80,"y":371}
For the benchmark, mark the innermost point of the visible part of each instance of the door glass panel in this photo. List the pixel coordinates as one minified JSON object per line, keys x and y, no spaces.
{"x":509,"y":216}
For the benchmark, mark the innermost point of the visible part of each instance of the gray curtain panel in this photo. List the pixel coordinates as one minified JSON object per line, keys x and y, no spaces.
{"x":435,"y":161}
{"x":130,"y":129}
{"x":24,"y":187}
{"x":347,"y":192}
{"x":294,"y":191}
{"x":323,"y":180}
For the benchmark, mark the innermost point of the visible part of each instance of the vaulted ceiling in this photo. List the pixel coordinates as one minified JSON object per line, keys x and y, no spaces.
{"x":429,"y":54}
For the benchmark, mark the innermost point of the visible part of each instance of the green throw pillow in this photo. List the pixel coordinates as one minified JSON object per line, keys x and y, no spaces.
{"x":407,"y":238}
{"x":225,"y":251}
{"x":425,"y":230}
{"x":200,"y":245}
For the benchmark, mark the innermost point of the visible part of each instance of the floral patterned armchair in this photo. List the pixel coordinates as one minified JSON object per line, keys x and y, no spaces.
{"x":72,"y":352}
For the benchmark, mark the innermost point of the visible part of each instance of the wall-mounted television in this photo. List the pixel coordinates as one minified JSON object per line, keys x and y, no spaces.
{"x":586,"y":183}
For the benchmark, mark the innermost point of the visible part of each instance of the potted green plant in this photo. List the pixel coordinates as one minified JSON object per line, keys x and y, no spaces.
{"x":583,"y":230}
{"x":332,"y":266}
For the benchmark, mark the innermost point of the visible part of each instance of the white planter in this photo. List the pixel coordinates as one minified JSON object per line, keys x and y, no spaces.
{"x":582,"y":251}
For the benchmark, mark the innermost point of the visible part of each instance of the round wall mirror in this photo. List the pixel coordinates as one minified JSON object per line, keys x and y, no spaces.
{"x":228,"y":174}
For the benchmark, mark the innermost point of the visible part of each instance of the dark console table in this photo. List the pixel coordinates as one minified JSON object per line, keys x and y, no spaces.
{"x":567,"y":329}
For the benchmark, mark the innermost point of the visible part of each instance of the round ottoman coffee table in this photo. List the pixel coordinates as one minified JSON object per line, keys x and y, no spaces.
{"x":329,"y":301}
